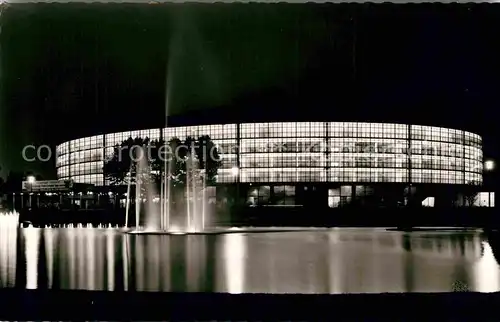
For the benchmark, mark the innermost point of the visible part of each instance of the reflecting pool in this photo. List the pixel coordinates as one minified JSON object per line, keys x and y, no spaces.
{"x":324,"y":261}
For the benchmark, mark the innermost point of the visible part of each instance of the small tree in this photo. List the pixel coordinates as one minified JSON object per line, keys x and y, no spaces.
{"x":470,"y":197}
{"x":120,"y":166}
{"x":471,"y":193}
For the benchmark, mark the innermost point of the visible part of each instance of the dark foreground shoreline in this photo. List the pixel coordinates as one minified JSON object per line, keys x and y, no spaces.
{"x":89,"y":305}
{"x":296,"y":217}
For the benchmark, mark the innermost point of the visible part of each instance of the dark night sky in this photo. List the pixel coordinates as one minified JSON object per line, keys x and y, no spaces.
{"x":69,"y":70}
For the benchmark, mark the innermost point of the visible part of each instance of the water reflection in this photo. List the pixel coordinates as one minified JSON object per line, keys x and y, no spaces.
{"x":335,"y":261}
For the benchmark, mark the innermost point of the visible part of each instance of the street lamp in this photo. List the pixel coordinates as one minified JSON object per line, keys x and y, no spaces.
{"x":489,"y":165}
{"x":31,"y":180}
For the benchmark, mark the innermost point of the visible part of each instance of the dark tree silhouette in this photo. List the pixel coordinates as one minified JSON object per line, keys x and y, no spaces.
{"x":13,"y":183}
{"x":209,"y":158}
{"x":471,"y":193}
{"x":122,"y":164}
{"x":119,"y":166}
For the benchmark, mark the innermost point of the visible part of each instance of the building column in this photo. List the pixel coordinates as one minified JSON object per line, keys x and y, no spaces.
{"x":327,"y":151}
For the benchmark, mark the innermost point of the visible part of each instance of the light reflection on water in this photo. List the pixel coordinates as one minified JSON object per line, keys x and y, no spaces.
{"x":335,"y":261}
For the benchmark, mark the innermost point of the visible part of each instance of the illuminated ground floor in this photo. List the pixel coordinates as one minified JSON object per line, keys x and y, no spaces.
{"x":314,"y":195}
{"x":356,"y":195}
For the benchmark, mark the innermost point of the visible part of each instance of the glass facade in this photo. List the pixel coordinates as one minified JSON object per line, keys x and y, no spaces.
{"x":307,"y":152}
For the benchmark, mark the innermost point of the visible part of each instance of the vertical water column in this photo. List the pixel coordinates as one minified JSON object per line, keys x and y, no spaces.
{"x":167,"y":197}
{"x":193,"y":225}
{"x":137,"y":198}
{"x":127,"y":200}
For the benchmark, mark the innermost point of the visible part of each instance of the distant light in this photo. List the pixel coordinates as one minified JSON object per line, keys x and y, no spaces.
{"x":235,"y":171}
{"x":31,"y":179}
{"x":489,"y":165}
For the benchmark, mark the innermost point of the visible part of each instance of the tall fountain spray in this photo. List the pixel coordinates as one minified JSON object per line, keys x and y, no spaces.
{"x":159,"y":218}
{"x":9,"y":220}
{"x":127,"y":200}
{"x":165,"y":197}
{"x":195,"y":208}
{"x":144,"y":183}
{"x":138,"y":198}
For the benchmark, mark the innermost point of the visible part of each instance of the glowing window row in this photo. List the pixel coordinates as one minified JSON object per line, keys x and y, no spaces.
{"x":286,"y":160}
{"x":81,"y":168}
{"x":282,"y":175}
{"x":368,"y":146}
{"x":62,"y":148}
{"x":226,"y":176}
{"x":282,"y":145}
{"x":96,"y":179}
{"x":473,"y":153}
{"x":283,"y":160}
{"x":420,"y":132}
{"x":473,"y":166}
{"x":91,"y":142}
{"x":473,"y":178}
{"x":79,"y":157}
{"x":319,"y":175}
{"x":117,"y":138}
{"x":436,"y":148}
{"x":272,"y":130}
{"x":367,"y":160}
{"x":63,"y":172}
{"x":340,"y":175}
{"x":368,"y":175}
{"x":358,"y":175}
{"x":311,"y":160}
{"x":472,"y":139}
{"x":225,"y":131}
{"x":438,"y":176}
{"x":228,"y":161}
{"x":228,"y":146}
{"x":437,"y":162}
{"x":368,"y":130}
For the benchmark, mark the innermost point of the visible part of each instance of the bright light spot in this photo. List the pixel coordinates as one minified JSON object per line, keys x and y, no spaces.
{"x":175,"y":230}
{"x":32,"y":240}
{"x":235,"y":255}
{"x":486,"y":272}
{"x":489,"y":165}
{"x":235,"y":171}
{"x":31,"y":179}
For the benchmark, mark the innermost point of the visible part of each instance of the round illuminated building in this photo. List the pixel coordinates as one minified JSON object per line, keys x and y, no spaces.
{"x":296,"y":163}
